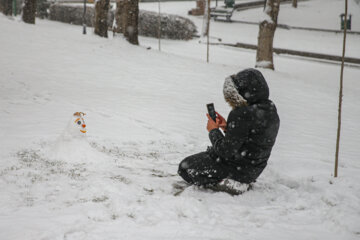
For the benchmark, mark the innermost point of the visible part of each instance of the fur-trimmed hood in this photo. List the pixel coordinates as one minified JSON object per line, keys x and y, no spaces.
{"x":248,"y":85}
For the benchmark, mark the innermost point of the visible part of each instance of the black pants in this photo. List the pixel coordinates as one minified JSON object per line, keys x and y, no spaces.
{"x":206,"y":169}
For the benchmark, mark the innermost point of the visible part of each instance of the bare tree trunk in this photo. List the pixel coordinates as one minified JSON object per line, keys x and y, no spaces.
{"x":6,"y":6}
{"x":120,"y":16}
{"x":264,"y":54}
{"x":126,"y":20}
{"x":131,"y":27}
{"x":29,"y":11}
{"x":101,"y":14}
{"x":294,"y":3}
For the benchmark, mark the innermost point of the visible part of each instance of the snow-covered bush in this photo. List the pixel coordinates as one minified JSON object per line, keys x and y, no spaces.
{"x":42,"y":8}
{"x":72,"y":14}
{"x":172,"y":26}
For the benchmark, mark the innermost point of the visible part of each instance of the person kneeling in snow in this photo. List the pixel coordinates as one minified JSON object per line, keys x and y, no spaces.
{"x":250,"y":133}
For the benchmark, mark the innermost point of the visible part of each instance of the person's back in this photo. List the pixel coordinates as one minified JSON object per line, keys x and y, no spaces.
{"x":260,"y":124}
{"x":262,"y":132}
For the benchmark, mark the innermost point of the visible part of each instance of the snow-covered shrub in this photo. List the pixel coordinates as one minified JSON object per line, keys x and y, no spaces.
{"x":42,"y":8}
{"x":71,"y":14}
{"x":172,"y":26}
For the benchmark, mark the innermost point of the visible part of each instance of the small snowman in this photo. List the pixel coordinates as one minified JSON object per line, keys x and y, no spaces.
{"x":76,"y":127}
{"x":72,"y":145}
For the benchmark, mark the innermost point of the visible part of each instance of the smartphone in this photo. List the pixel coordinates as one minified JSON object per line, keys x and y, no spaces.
{"x":211,"y":111}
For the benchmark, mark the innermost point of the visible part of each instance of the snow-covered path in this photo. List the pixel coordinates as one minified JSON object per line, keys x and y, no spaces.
{"x":145,"y":113}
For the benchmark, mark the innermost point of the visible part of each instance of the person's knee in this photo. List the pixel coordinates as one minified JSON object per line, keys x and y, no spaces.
{"x":184,"y":166}
{"x":183,"y":170}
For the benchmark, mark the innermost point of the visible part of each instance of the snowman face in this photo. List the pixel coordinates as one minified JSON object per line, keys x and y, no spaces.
{"x":80,"y":124}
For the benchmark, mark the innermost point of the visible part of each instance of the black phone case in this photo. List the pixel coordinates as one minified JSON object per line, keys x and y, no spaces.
{"x":211,"y":111}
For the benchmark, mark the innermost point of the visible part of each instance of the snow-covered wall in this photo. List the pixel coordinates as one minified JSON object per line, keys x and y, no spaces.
{"x":172,"y":26}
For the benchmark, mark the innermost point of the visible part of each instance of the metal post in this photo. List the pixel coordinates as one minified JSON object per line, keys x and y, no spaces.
{"x":350,"y":22}
{"x":159,"y":29}
{"x":84,"y":18}
{"x":208,"y":30}
{"x":14,"y":10}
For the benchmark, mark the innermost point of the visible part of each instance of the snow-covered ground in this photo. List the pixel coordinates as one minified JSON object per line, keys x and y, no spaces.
{"x":145,"y":113}
{"x":314,"y":13}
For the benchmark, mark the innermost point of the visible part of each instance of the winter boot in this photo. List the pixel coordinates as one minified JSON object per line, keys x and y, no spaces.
{"x":231,"y":187}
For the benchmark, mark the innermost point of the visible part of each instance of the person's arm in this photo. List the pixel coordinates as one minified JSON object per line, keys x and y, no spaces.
{"x":227,"y":147}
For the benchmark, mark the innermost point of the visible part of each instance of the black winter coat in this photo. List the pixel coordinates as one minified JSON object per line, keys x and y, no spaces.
{"x":252,"y":129}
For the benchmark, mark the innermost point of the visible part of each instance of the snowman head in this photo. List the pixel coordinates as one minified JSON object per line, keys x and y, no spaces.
{"x":77,"y":126}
